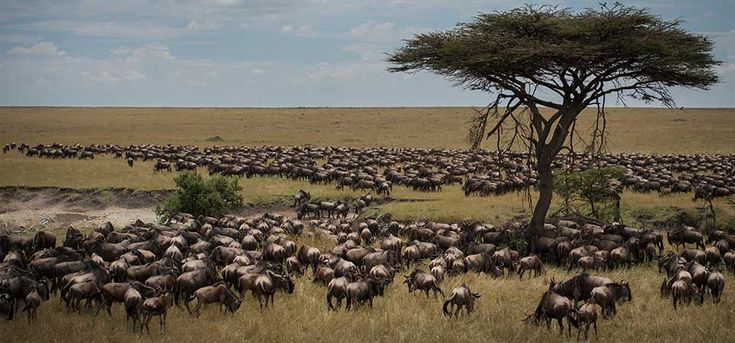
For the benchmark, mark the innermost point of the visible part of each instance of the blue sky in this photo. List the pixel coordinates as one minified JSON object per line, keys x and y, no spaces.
{"x":265,"y":52}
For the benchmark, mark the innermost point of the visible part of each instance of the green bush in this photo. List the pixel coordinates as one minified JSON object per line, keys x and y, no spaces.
{"x":594,"y":192}
{"x":211,"y":196}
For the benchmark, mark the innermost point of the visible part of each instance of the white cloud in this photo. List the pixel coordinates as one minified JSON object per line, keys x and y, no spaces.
{"x":203,"y":25}
{"x":40,"y":48}
{"x":114,"y":29}
{"x":286,"y":28}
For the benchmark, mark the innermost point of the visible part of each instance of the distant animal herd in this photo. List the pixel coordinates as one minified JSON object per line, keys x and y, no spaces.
{"x":481,"y":173}
{"x":190,"y":262}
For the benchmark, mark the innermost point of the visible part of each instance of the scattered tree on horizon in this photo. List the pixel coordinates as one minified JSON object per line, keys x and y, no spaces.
{"x":536,"y":57}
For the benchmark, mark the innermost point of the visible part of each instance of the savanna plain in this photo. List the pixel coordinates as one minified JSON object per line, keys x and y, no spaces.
{"x":398,"y":316}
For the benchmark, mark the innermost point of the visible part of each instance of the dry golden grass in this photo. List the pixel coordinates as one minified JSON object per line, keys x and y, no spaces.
{"x":401,"y":317}
{"x":398,"y":316}
{"x":631,"y":130}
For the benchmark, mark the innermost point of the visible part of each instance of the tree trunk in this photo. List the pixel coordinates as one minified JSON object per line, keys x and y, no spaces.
{"x":545,"y":189}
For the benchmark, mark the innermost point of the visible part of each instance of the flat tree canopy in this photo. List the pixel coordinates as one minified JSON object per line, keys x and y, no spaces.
{"x":543,"y":56}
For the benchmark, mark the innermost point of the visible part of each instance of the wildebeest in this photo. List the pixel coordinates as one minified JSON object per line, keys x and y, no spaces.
{"x":554,"y":306}
{"x":716,"y":284}
{"x":187,"y":283}
{"x":586,"y":316}
{"x":363,"y":290}
{"x":33,"y":301}
{"x":266,"y":284}
{"x":685,"y":235}
{"x":156,"y":306}
{"x":578,"y":287}
{"x":44,"y":240}
{"x":530,"y":263}
{"x":607,"y":295}
{"x":682,"y":290}
{"x":422,"y":281}
{"x":216,"y":293}
{"x":460,"y":297}
{"x":337,"y":288}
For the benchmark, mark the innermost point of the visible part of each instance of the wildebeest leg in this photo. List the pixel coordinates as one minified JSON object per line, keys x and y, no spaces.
{"x":370,"y":302}
{"x":456,"y":311}
{"x":427,"y":292}
{"x":613,"y":309}
{"x":186,"y":304}
{"x":579,"y":331}
{"x":145,"y":323}
{"x":197,"y":309}
{"x":108,"y":303}
{"x":520,"y":273}
{"x":561,"y":326}
{"x":674,"y":297}
{"x":595,"y":324}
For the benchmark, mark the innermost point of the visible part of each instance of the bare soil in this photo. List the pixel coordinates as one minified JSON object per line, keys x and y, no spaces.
{"x":27,"y":209}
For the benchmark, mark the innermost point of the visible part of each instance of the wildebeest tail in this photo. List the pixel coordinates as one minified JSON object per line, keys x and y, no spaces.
{"x":445,"y":307}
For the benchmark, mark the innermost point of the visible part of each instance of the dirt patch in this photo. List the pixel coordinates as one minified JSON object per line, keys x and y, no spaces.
{"x":30,"y":208}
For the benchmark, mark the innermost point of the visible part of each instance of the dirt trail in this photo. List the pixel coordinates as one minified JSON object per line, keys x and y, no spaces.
{"x":23,"y":208}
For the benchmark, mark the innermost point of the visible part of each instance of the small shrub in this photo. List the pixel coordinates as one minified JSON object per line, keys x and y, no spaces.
{"x":594,"y":192}
{"x":519,"y":245}
{"x":212,"y":196}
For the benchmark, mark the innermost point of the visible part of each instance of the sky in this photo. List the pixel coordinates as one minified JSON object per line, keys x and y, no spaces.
{"x":267,"y":53}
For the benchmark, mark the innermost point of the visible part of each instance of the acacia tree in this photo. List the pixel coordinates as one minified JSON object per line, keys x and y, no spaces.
{"x":545,"y":65}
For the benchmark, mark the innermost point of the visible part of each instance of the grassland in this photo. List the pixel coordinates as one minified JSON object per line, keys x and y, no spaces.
{"x":398,"y":317}
{"x":631,"y":130}
{"x":401,"y":317}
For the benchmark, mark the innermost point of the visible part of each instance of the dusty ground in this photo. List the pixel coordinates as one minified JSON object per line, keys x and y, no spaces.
{"x":51,"y":208}
{"x":24,"y":209}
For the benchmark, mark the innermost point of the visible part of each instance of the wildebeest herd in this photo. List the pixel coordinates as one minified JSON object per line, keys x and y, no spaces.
{"x":481,"y":173}
{"x":190,"y":262}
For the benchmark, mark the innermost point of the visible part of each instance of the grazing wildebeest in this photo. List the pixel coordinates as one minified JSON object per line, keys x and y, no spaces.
{"x":162,"y":165}
{"x":422,"y":281}
{"x":607,"y":295}
{"x":716,"y":284}
{"x":33,"y":301}
{"x":553,"y":306}
{"x":682,"y":290}
{"x":530,"y":263}
{"x":309,"y":256}
{"x":44,"y":240}
{"x":216,"y":293}
{"x":483,"y":262}
{"x":578,"y":287}
{"x":84,"y":291}
{"x":586,"y":316}
{"x":156,"y":306}
{"x":187,"y":283}
{"x":460,"y":297}
{"x":115,"y":292}
{"x":323,"y":274}
{"x":133,"y":303}
{"x":363,"y":290}
{"x":337,"y":288}
{"x":301,"y":196}
{"x":266,"y":285}
{"x":685,"y":235}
